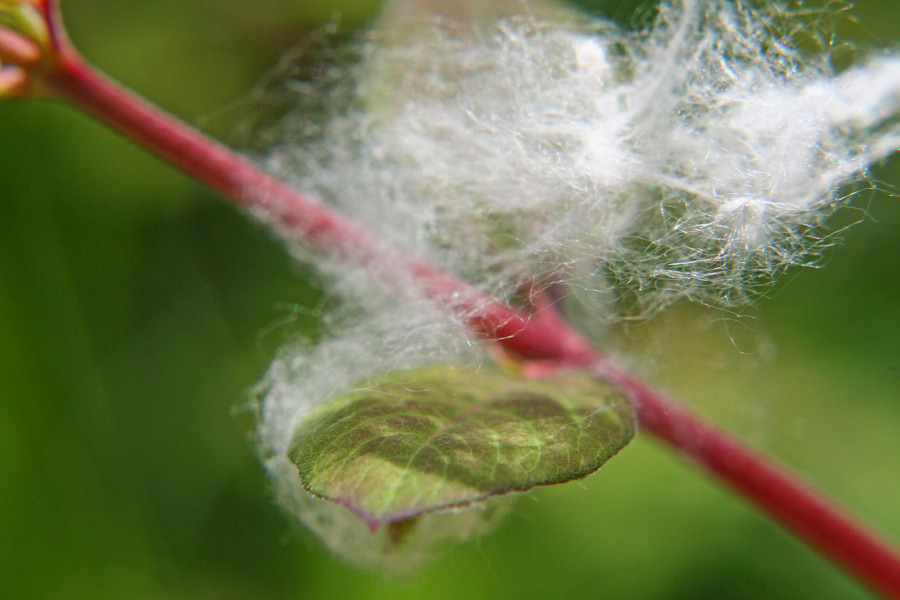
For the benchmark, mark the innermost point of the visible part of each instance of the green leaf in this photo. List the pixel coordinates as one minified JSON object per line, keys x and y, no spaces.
{"x":447,"y":436}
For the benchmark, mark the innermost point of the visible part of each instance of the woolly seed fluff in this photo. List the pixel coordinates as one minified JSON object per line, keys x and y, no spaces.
{"x":695,"y":158}
{"x":373,"y":333}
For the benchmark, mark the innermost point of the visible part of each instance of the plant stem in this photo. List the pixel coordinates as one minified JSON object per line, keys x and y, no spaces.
{"x":795,"y":505}
{"x":544,"y":336}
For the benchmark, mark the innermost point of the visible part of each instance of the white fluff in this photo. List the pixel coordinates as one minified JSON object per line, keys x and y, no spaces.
{"x":697,"y":158}
{"x":694,"y":158}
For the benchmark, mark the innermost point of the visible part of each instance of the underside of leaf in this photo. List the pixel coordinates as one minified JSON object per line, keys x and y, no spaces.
{"x":446,"y":436}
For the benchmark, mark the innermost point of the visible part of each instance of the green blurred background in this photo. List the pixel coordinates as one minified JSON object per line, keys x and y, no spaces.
{"x":136,"y":309}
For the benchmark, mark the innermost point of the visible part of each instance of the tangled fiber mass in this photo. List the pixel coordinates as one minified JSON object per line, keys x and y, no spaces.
{"x":697,"y":157}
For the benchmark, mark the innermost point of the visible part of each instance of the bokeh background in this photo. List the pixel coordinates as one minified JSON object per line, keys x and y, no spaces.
{"x":137,"y":310}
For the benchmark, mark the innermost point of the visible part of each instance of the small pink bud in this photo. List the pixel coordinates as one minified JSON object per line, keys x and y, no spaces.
{"x":17,"y":49}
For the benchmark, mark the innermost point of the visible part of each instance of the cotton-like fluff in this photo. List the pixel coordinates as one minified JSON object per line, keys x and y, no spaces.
{"x":695,"y":158}
{"x":372,"y":333}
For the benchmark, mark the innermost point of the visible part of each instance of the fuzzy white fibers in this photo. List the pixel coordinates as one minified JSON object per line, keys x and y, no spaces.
{"x":376,"y":333}
{"x":373,"y":333}
{"x":697,"y":157}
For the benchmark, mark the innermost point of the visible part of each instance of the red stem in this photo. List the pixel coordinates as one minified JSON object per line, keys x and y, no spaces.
{"x":544,"y":336}
{"x":798,"y":507}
